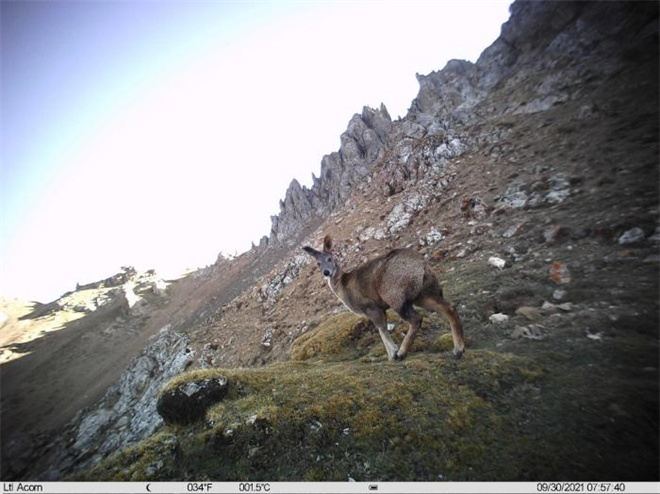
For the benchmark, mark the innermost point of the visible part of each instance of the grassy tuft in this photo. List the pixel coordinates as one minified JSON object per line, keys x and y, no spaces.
{"x":345,"y":336}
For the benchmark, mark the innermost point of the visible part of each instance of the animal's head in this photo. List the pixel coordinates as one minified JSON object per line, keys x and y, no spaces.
{"x":325,"y":260}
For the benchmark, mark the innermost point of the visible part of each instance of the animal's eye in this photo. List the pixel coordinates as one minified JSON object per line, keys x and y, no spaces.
{"x":318,"y":263}
{"x":329,"y":259}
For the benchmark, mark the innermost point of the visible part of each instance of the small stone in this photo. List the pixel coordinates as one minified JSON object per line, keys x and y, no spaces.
{"x":257,"y":419}
{"x":379,"y":234}
{"x":474,"y":207}
{"x":532,"y":332}
{"x":579,"y":234}
{"x":267,"y":338}
{"x":153,"y":468}
{"x":632,"y":236}
{"x":367,"y":234}
{"x":566,"y":306}
{"x":514,"y":197}
{"x":531,"y":313}
{"x":553,"y":233}
{"x":557,"y":196}
{"x":559,"y":294}
{"x":498,"y":318}
{"x":398,"y":219}
{"x":595,"y":336}
{"x":497,"y":262}
{"x":433,"y":237}
{"x":518,"y":251}
{"x":560,"y":190}
{"x":559,"y":273}
{"x":513,"y":230}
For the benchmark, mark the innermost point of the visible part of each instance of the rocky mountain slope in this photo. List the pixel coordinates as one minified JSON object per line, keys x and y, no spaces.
{"x":529,"y":180}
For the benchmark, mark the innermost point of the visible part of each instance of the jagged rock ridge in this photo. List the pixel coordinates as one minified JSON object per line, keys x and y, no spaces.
{"x":362,"y":145}
{"x":565,"y":38}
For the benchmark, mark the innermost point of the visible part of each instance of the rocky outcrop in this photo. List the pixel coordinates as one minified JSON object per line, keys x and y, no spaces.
{"x":547,"y":51}
{"x":362,"y":144}
{"x":445,"y":92}
{"x":411,"y":159}
{"x":127,"y":273}
{"x":126,"y":288}
{"x":295,"y":210}
{"x":268,"y":292}
{"x":126,"y":414}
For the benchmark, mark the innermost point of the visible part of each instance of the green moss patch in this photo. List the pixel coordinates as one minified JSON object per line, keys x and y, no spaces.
{"x":427,"y":418}
{"x":345,"y":336}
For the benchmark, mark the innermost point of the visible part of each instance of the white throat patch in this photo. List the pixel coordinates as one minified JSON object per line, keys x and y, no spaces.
{"x":328,"y":280}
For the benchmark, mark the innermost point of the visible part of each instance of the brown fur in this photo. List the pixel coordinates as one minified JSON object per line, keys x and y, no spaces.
{"x":397,"y":280}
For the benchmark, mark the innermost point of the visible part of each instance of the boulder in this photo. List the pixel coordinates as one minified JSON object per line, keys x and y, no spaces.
{"x":189,"y":401}
{"x":632,"y":236}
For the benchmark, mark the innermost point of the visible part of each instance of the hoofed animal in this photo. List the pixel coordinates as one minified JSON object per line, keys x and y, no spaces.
{"x":397,"y":280}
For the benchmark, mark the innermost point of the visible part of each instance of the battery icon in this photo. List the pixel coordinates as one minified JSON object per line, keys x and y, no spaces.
{"x":373,"y":487}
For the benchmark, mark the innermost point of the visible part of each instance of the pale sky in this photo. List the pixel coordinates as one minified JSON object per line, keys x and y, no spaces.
{"x":158,"y":134}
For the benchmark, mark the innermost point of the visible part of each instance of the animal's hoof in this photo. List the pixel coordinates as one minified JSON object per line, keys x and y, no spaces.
{"x":394,"y":358}
{"x":458,"y":353}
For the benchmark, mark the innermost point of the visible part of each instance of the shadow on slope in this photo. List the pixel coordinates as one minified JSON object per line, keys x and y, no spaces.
{"x":66,"y":364}
{"x":76,"y":349}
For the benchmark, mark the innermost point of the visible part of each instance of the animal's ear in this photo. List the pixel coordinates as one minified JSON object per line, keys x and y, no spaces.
{"x":310,"y":251}
{"x":327,"y":243}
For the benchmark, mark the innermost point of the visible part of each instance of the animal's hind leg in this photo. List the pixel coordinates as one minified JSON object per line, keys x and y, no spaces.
{"x":379,"y":318}
{"x":438,"y":304}
{"x":411,"y":316}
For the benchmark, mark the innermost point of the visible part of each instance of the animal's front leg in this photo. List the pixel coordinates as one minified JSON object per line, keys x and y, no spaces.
{"x":379,"y":318}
